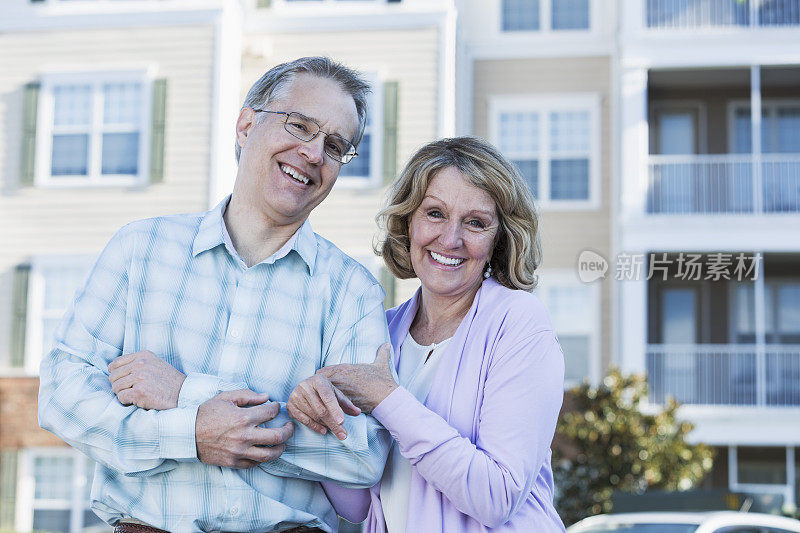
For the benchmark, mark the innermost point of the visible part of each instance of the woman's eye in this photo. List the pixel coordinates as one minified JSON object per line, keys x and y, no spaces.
{"x":477,"y":224}
{"x":435,"y":213}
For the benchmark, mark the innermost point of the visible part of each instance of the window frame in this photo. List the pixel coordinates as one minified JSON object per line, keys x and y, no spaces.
{"x":26,"y":501}
{"x":543,"y":105}
{"x":34,"y":321}
{"x":565,"y":278}
{"x":375,"y":128}
{"x":546,"y":21}
{"x":768,"y":106}
{"x":45,"y":127}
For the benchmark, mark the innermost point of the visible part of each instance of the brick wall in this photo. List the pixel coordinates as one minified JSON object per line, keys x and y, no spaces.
{"x":19,"y":427}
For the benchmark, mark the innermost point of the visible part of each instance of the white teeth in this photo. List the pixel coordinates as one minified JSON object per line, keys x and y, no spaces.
{"x":293,"y":173}
{"x":446,"y":260}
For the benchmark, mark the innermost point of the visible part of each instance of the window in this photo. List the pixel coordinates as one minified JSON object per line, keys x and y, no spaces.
{"x":574,"y":310}
{"x":545,"y":15}
{"x":555,"y":145}
{"x":780,"y":128}
{"x":94,"y":129}
{"x":54,"y":491}
{"x":51,"y":289}
{"x":365,"y":170}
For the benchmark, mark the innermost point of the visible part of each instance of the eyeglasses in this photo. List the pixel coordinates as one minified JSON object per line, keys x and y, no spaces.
{"x":307,"y":129}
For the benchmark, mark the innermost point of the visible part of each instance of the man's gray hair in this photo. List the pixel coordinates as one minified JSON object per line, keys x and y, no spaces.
{"x":274,"y":85}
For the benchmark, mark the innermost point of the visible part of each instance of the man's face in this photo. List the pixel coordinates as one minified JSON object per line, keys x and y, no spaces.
{"x":280,"y":176}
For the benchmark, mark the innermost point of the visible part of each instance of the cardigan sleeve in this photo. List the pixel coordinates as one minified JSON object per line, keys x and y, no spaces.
{"x":490,"y":479}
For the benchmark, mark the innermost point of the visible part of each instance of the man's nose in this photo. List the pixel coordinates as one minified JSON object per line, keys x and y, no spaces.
{"x":314,"y":150}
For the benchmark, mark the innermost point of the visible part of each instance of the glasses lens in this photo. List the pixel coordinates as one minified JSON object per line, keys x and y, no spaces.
{"x":339,"y":148}
{"x":301,"y":126}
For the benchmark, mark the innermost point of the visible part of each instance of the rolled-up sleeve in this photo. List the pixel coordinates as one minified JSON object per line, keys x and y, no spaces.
{"x":75,"y":397}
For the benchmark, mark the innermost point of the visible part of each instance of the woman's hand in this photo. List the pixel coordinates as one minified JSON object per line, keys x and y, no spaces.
{"x":365,"y":385}
{"x":316,"y":403}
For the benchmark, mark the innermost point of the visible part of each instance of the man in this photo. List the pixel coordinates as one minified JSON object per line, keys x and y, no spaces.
{"x":243,"y":298}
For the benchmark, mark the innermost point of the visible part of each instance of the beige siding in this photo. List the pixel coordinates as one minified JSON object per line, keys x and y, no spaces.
{"x":564,"y":233}
{"x":408,"y":56}
{"x":80,"y":220}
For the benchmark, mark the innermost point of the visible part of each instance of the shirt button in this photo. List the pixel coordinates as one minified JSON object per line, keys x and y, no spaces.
{"x":235,"y":333}
{"x":234,"y":511}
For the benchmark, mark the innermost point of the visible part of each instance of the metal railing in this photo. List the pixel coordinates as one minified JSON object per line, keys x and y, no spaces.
{"x":723,"y":184}
{"x":725,"y":374}
{"x":693,"y":14}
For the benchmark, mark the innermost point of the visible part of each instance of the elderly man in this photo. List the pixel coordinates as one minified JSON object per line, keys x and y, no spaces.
{"x":242,"y":298}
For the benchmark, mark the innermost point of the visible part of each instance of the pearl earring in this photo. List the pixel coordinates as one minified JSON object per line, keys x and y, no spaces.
{"x":488,"y":272}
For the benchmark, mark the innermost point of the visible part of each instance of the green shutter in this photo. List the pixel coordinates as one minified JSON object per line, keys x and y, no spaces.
{"x":28,"y":156}
{"x":8,"y":489}
{"x":19,"y":314}
{"x":388,"y":282}
{"x":390,"y":93}
{"x":262,"y":4}
{"x":158,"y":131}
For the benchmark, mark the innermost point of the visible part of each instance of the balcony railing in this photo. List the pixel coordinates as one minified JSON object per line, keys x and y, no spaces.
{"x":723,"y":184}
{"x":693,"y":14}
{"x":725,"y":374}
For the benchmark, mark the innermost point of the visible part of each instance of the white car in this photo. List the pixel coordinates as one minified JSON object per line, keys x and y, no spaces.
{"x":676,"y":522}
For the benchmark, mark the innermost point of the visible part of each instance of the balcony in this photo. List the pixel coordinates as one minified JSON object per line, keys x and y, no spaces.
{"x":725,"y":374}
{"x":723,"y":184}
{"x":704,"y":14}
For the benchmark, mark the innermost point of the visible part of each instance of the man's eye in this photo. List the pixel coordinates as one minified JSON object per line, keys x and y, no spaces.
{"x":299,"y":126}
{"x":334,"y":148}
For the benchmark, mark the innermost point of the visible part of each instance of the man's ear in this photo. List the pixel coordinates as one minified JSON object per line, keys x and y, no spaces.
{"x":245,"y":122}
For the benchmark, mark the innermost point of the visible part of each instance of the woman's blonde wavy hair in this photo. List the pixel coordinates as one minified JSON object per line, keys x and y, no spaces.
{"x":517,"y":251}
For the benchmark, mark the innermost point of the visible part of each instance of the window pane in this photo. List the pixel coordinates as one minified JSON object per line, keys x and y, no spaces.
{"x":676,"y":132}
{"x":788,"y":130}
{"x":569,"y":131}
{"x":70,"y":155}
{"x":72,"y":105}
{"x":761,"y":465}
{"x":52,"y":478}
{"x":788,"y":307}
{"x":359,"y":166}
{"x":569,"y":179}
{"x":520,"y":15}
{"x":530,"y":173}
{"x":576,"y":356}
{"x":51,"y":520}
{"x":120,"y":153}
{"x":122,"y":103}
{"x":519,"y":132}
{"x":741,"y":132}
{"x":570,"y":14}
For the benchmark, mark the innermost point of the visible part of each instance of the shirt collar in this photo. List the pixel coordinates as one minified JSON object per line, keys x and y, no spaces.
{"x":212,"y":233}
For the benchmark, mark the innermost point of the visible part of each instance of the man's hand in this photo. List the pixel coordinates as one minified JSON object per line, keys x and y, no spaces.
{"x":227,"y":432}
{"x":316,"y":403}
{"x":365,"y":385}
{"x":145,"y":380}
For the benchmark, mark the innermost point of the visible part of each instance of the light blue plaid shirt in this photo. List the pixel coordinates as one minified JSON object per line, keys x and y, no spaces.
{"x":174,"y":286}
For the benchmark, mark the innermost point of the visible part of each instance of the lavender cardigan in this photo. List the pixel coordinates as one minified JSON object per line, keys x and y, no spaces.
{"x":480,"y":444}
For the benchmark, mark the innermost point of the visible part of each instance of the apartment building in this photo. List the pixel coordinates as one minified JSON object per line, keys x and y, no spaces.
{"x":710,"y":175}
{"x":112,"y":111}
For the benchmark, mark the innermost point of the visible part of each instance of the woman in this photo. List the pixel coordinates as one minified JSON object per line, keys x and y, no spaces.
{"x":479,"y":365}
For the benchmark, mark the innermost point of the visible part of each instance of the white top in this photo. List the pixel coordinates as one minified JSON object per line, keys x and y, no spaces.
{"x":416,"y":376}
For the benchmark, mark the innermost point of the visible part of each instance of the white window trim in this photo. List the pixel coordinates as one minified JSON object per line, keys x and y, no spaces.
{"x":26,"y":486}
{"x":544,"y":104}
{"x":568,"y":278}
{"x":786,"y":489}
{"x":768,"y":107}
{"x":34,"y":343}
{"x":546,"y":22}
{"x":375,"y":177}
{"x":44,"y":129}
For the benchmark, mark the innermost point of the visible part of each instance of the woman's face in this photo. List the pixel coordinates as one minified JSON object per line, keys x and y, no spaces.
{"x":452,"y":235}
